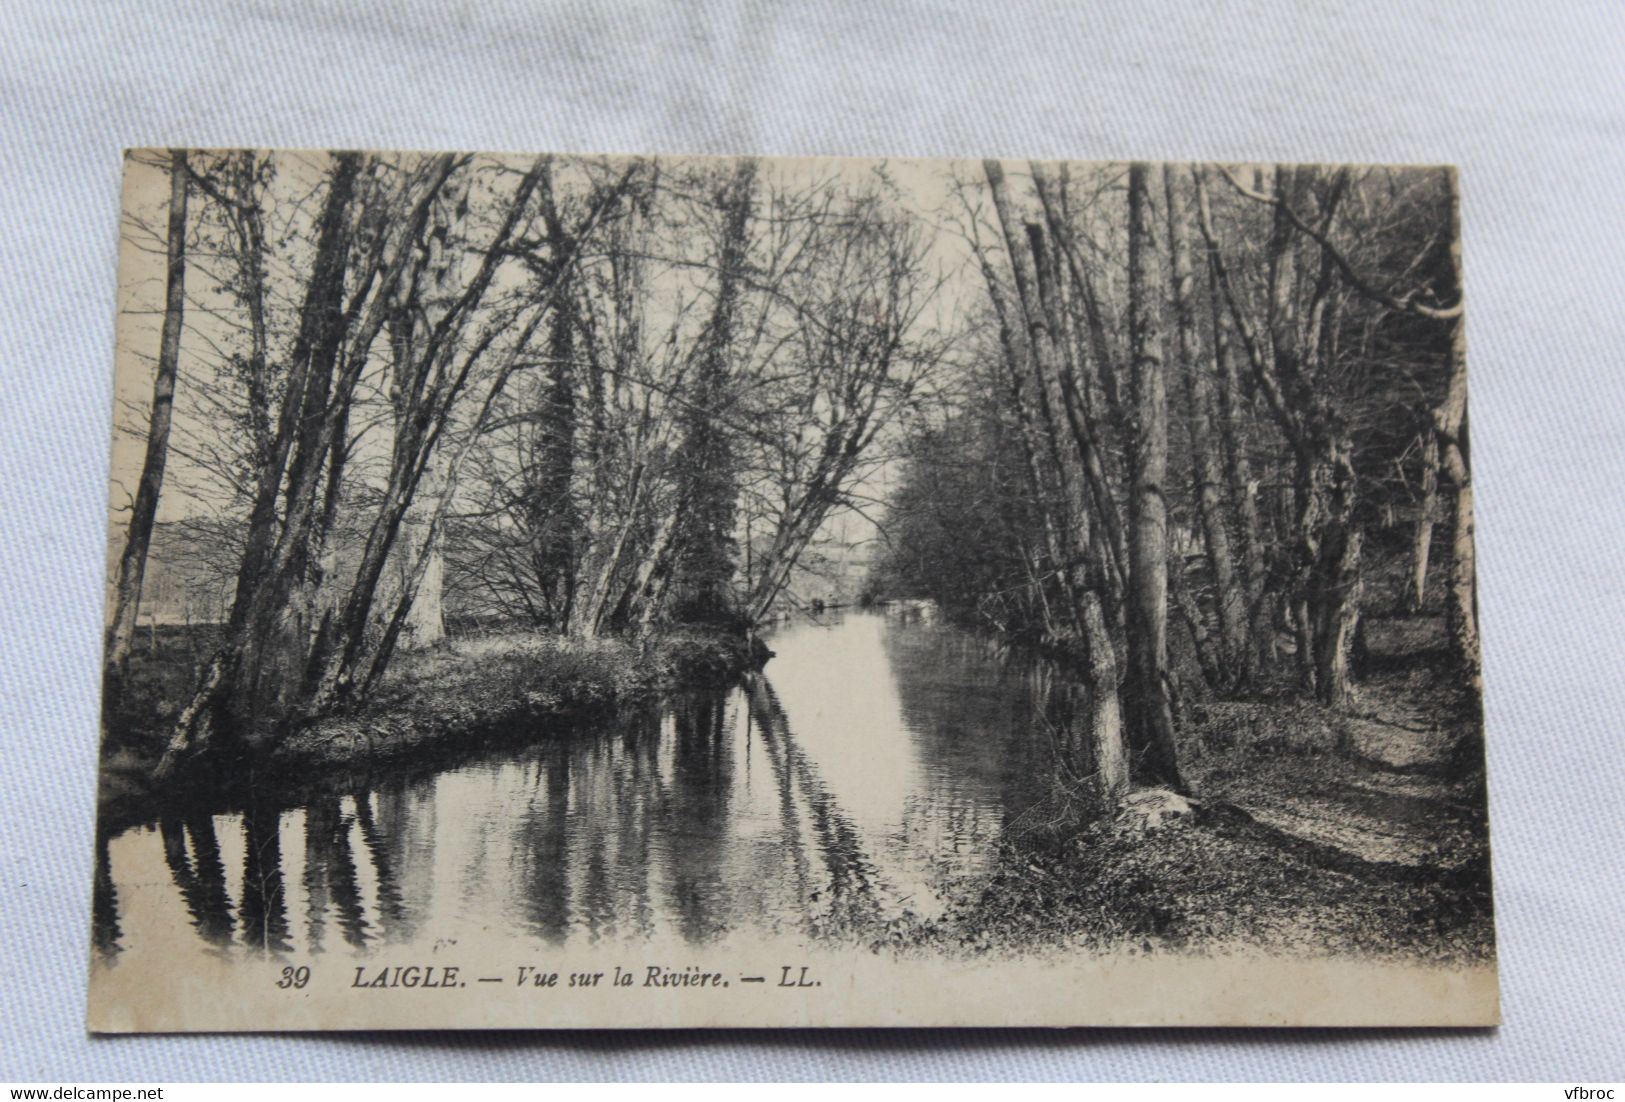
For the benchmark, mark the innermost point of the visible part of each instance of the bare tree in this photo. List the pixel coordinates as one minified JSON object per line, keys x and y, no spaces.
{"x":1086,"y":599}
{"x":133,"y":563}
{"x":1152,"y":720}
{"x":1206,"y":468}
{"x":859,"y":298}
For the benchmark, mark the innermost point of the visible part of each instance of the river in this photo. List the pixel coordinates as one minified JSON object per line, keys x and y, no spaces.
{"x":877,"y":755}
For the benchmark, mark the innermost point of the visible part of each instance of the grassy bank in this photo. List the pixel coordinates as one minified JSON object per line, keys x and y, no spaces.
{"x":494,"y":683}
{"x":453,"y":698}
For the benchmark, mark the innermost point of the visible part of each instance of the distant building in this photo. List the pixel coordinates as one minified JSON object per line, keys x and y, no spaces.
{"x":834,"y":575}
{"x":190,"y":577}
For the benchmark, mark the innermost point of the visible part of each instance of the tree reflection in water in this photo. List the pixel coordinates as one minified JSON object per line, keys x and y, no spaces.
{"x":849,"y":893}
{"x":105,"y":931}
{"x":794,"y":803}
{"x":264,"y":910}
{"x":330,"y":874}
{"x":199,"y":874}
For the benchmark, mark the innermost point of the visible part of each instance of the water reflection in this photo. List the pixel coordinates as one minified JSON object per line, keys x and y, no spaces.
{"x":265,"y":905}
{"x":331,"y":873}
{"x":875,"y":755}
{"x":697,"y":810}
{"x":199,"y":874}
{"x":105,"y":931}
{"x":846,"y":885}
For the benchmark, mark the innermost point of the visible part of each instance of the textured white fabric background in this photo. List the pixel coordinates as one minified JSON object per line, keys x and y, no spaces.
{"x":1528,"y":97}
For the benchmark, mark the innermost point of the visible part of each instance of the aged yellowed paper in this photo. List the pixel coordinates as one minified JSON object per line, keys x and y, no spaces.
{"x":591,"y":591}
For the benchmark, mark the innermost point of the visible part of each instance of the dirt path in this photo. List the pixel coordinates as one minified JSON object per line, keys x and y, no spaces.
{"x":1391,"y":780}
{"x":1313,"y":831}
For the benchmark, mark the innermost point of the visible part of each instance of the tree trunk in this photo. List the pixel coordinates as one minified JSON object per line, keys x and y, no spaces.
{"x":1043,"y":363}
{"x":1206,"y":468}
{"x":1106,"y":740}
{"x":1028,"y":434}
{"x":1462,"y":611}
{"x":1209,"y":656}
{"x":1083,"y":420}
{"x":436,"y":383}
{"x":263,"y":584}
{"x":426,"y":622}
{"x":417,"y":566}
{"x":553,"y":520}
{"x":1416,"y":590}
{"x":642,"y":597}
{"x":1336,"y":610}
{"x":274,"y":546}
{"x":144,"y":512}
{"x":1450,"y":421}
{"x":1151,"y":721}
{"x":591,"y":621}
{"x":1328,"y":553}
{"x":1084,"y":608}
{"x":1231,"y":402}
{"x":423,"y":579}
{"x":703,"y":564}
{"x":1325,"y":538}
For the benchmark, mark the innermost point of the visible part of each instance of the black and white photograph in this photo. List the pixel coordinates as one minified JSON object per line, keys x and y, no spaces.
{"x":578,"y":590}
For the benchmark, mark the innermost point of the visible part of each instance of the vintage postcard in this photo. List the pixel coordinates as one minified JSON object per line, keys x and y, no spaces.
{"x":598,"y":591}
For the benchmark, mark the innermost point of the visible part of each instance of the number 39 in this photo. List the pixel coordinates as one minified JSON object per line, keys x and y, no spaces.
{"x":294,"y":977}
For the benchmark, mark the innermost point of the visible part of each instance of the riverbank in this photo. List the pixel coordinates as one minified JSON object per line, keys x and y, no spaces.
{"x":1361,"y":831}
{"x":489,"y":685}
{"x":454,"y":698}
